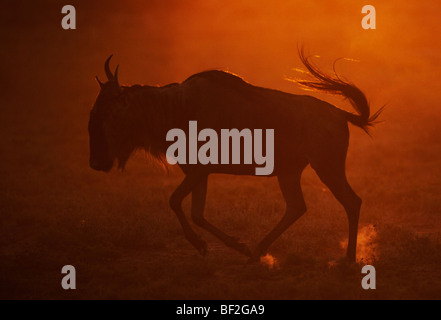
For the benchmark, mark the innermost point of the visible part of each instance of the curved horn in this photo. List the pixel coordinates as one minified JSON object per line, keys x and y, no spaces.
{"x":115,"y":76}
{"x":107,"y":69}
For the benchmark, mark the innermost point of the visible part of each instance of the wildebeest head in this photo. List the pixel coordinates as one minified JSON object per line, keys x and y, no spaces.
{"x":101,"y":121}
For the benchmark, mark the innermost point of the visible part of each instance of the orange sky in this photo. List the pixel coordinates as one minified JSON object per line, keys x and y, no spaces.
{"x":259,"y":39}
{"x":158,"y":42}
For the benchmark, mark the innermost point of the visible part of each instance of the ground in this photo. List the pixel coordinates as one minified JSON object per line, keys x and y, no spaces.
{"x":125,"y":242}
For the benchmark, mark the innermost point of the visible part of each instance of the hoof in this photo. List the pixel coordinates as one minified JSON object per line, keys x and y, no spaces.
{"x":257,"y":255}
{"x":254,"y":258}
{"x":243,"y":248}
{"x":342,"y":262}
{"x":239,"y":246}
{"x":202,"y":247}
{"x":346,"y":260}
{"x":199,"y":244}
{"x":344,"y":266}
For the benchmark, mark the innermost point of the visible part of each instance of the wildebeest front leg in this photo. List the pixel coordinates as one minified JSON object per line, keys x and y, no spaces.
{"x":199,"y":195}
{"x":176,"y":199}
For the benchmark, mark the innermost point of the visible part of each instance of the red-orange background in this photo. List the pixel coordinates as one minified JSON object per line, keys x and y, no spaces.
{"x":55,"y":209}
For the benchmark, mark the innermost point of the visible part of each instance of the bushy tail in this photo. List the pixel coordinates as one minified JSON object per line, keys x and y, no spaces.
{"x":337,"y":86}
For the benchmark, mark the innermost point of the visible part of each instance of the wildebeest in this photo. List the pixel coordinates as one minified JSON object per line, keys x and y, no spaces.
{"x":307,"y":131}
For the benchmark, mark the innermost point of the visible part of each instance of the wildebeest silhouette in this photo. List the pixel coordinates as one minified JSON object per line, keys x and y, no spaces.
{"x":306,"y":131}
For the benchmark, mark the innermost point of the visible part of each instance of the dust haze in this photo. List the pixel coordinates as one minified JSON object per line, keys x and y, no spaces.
{"x":117,"y":228}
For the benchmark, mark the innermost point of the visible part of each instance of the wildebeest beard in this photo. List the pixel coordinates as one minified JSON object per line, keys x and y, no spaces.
{"x":99,"y":151}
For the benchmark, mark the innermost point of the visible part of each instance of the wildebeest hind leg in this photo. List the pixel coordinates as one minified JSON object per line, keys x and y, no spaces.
{"x":199,"y":194}
{"x":184,"y":189}
{"x":332,"y":173}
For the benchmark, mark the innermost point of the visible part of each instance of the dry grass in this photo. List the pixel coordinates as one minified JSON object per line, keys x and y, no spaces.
{"x":125,"y":242}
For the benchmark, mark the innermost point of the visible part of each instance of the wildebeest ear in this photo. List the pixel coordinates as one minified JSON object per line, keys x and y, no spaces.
{"x":100,"y":83}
